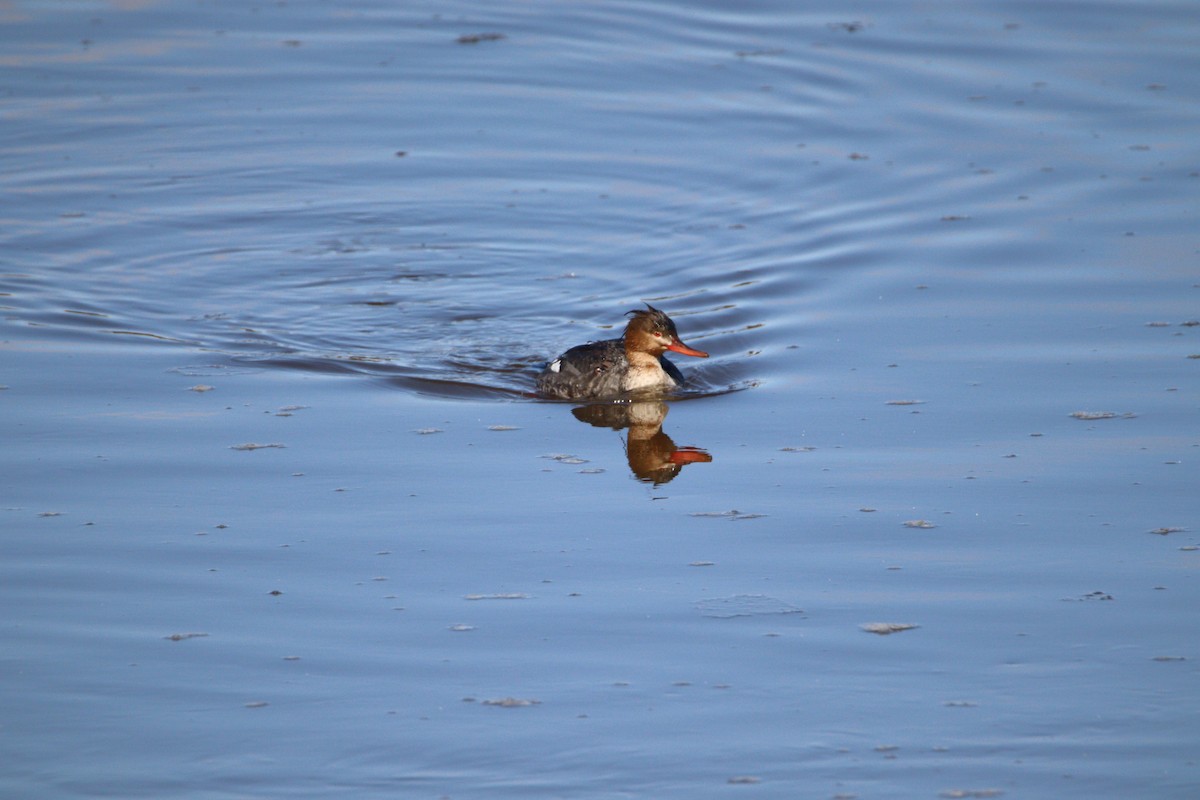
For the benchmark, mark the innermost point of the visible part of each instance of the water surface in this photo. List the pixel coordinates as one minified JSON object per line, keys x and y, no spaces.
{"x":282,"y":516}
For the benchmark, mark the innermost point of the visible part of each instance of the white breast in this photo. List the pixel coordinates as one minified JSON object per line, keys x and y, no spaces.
{"x":643,"y":378}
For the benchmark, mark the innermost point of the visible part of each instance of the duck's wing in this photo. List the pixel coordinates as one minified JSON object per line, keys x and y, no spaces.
{"x":588,"y":371}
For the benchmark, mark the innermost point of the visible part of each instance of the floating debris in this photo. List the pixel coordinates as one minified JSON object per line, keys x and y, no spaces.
{"x":1168,"y":658}
{"x":744,"y":779}
{"x":702,"y":564}
{"x":1090,"y":596}
{"x":1166,"y":531}
{"x":427,"y":431}
{"x":476,"y":38}
{"x":257,"y":704}
{"x":755,"y":53}
{"x":461,"y":628}
{"x":744,"y":605}
{"x":201,"y":388}
{"x":207,"y":370}
{"x":565,"y":458}
{"x":1094,"y":415}
{"x":731,"y":514}
{"x":919,"y":523}
{"x":179,"y":637}
{"x":960,"y":704}
{"x":961,"y":794}
{"x":887,"y":628}
{"x":805,"y":449}
{"x":255,"y":446}
{"x":502,"y":596}
{"x":50,"y":514}
{"x":1088,"y":415}
{"x":503,"y":428}
{"x":904,"y":403}
{"x":512,"y":702}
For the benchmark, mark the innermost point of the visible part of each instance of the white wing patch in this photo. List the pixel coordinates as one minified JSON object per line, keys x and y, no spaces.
{"x":555,"y":365}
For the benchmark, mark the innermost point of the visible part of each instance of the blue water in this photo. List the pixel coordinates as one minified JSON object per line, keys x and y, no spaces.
{"x":281,"y":516}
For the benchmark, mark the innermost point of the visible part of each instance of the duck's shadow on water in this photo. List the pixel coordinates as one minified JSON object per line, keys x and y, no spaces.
{"x":653,"y":456}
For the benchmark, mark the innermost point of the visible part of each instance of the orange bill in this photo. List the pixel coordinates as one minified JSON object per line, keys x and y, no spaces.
{"x":679,"y":347}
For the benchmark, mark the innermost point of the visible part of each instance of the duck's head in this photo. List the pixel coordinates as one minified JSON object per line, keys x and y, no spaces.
{"x":651,"y":331}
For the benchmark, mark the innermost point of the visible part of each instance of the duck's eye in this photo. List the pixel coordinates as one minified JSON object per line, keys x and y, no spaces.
{"x":658,"y":334}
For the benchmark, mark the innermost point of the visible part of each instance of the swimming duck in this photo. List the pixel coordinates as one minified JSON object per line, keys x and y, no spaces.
{"x":634,"y":363}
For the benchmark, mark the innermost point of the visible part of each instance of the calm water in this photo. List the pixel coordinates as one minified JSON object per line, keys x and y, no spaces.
{"x":280,"y":516}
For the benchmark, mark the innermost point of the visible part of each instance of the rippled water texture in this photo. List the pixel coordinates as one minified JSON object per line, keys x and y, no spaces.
{"x":282,"y":516}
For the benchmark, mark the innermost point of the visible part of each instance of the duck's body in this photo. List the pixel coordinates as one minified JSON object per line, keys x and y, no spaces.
{"x":633,"y":363}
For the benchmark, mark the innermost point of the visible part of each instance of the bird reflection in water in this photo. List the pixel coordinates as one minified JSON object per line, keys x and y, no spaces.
{"x":653,"y":456}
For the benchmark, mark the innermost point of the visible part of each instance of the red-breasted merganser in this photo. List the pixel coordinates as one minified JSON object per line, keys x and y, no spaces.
{"x":632,"y":363}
